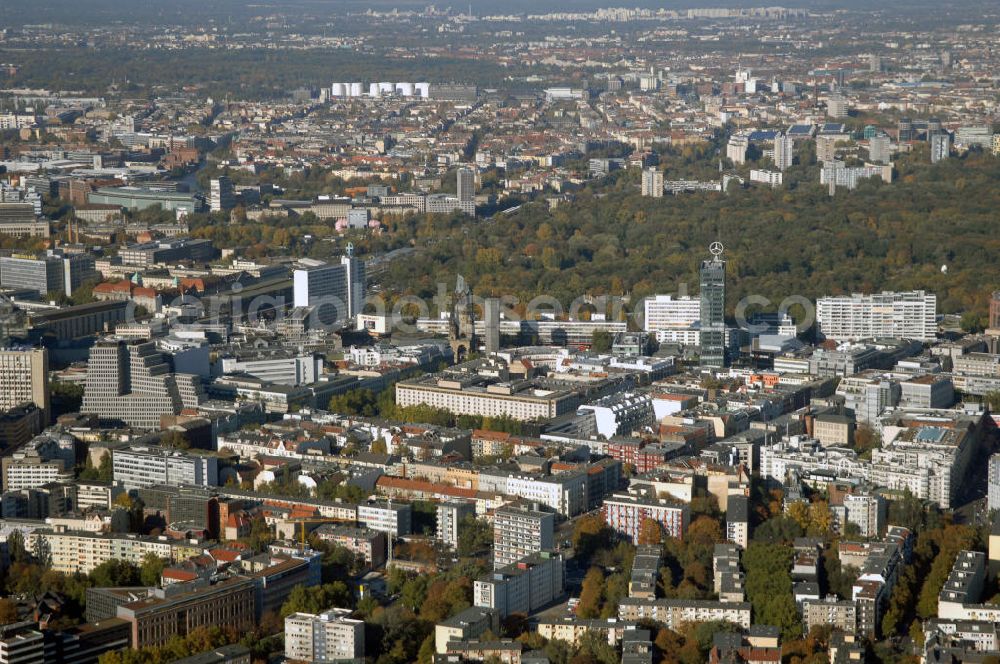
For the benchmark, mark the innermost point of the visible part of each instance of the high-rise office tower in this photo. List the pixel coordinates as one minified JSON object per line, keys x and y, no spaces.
{"x":836,"y":107}
{"x":826,"y":149}
{"x":652,"y":182}
{"x":784,"y":151}
{"x":337,"y":289}
{"x":466,"y":181}
{"x":905,"y":129}
{"x":713,"y":309}
{"x":995,"y":311}
{"x":491,"y":319}
{"x":736,"y":149}
{"x":43,"y":275}
{"x":879,"y":149}
{"x":354,"y":270}
{"x":940,"y":147}
{"x":131,"y":382}
{"x":24,"y":378}
{"x":222,"y":196}
{"x":54,"y":272}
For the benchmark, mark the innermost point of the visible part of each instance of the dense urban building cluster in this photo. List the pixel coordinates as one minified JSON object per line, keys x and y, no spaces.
{"x":286,"y":373}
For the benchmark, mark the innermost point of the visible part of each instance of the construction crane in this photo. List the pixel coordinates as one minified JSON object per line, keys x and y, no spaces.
{"x":318,"y":519}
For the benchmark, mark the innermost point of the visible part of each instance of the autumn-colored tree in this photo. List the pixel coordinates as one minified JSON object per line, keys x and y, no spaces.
{"x":590,"y":534}
{"x":650,"y":532}
{"x":704,"y":531}
{"x":591,"y":594}
{"x":820,"y":519}
{"x":8,"y":611}
{"x":799,"y":512}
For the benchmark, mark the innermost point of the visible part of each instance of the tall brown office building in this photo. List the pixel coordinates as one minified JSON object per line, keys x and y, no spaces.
{"x":995,"y":312}
{"x":155,"y":620}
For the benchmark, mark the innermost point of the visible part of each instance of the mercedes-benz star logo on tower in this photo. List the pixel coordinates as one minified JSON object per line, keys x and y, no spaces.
{"x":716,"y":249}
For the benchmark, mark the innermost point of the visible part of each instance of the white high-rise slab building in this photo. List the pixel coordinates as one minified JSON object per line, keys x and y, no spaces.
{"x":907,"y":315}
{"x":328,"y":637}
{"x":332,"y":287}
{"x":663,"y":312}
{"x":518,"y":533}
{"x":784,"y":151}
{"x":652,"y":182}
{"x":993,"y":482}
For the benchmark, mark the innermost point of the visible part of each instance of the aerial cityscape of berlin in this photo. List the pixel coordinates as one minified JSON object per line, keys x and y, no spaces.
{"x":512,"y":332}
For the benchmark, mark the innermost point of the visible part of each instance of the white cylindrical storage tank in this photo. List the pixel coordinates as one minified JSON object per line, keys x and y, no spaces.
{"x":373,"y":90}
{"x":386,"y":88}
{"x":355,"y":89}
{"x":339,"y":90}
{"x":405,"y":89}
{"x":423,"y":89}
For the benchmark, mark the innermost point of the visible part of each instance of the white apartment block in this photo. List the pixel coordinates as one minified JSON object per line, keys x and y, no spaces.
{"x":518,"y":533}
{"x":805,"y":455}
{"x":565,"y":493}
{"x":784,"y":152}
{"x":868,"y":395}
{"x":770,"y":178}
{"x":674,"y":612}
{"x":42,"y":460}
{"x":838,"y":174}
{"x":24,"y":378}
{"x":736,"y":149}
{"x":140,"y":467}
{"x":328,"y":637}
{"x":738,"y":520}
{"x":522,"y":587}
{"x":468,"y":624}
{"x":570,"y":628}
{"x":95,"y":495}
{"x":652,"y":182}
{"x":958,"y":599}
{"x":842,"y":614}
{"x":290,"y":370}
{"x":977,"y":364}
{"x":993,"y":481}
{"x":620,"y":414}
{"x":75,"y":551}
{"x":396,"y":520}
{"x":932,"y":462}
{"x":665,"y":312}
{"x":524,"y":404}
{"x":625,"y":512}
{"x":867,"y":512}
{"x":449,"y":519}
{"x":907,"y":315}
{"x":25,"y":470}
